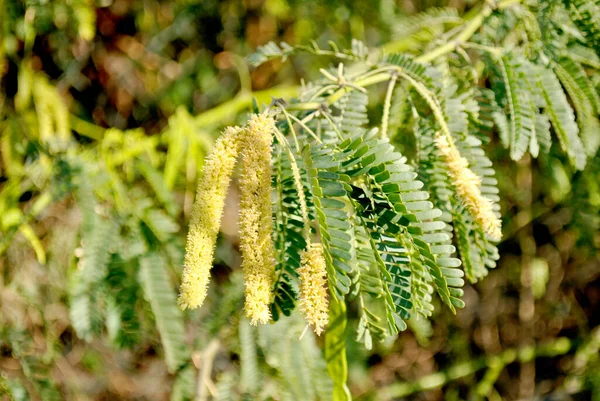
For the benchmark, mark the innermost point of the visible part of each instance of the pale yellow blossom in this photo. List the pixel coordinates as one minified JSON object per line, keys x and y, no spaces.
{"x":205,"y":219}
{"x":468,"y":187}
{"x":313,"y":287}
{"x":256,"y":225}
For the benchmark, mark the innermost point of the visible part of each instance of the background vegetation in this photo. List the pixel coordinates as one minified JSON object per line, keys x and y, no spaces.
{"x":107,"y":110}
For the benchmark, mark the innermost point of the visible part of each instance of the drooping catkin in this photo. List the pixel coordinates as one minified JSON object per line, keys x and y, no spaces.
{"x":205,"y":218}
{"x":313,"y":287}
{"x":468,"y":187}
{"x":256,"y":244}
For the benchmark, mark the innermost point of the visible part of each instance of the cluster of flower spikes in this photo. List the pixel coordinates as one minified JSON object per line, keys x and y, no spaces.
{"x":468,"y":185}
{"x":254,"y":143}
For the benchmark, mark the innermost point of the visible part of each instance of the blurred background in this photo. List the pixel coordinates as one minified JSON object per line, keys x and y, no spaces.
{"x":107,"y":110}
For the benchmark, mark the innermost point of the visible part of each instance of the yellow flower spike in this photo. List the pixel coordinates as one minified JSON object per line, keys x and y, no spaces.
{"x":468,"y":187}
{"x":313,"y":287}
{"x":205,"y":219}
{"x":256,"y":244}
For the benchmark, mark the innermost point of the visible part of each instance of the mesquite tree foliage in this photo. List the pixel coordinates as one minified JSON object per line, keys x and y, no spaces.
{"x":385,"y":212}
{"x":395,"y":231}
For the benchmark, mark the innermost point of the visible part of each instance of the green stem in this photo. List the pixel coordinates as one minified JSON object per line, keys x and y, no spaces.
{"x":485,"y":386}
{"x":321,"y":91}
{"x":292,"y":130}
{"x":242,"y":68}
{"x":387,"y":106}
{"x":333,"y":125}
{"x":469,"y":62}
{"x":227,"y":111}
{"x":507,"y":3}
{"x":469,"y":30}
{"x":85,"y":128}
{"x":298,"y":183}
{"x":495,"y":51}
{"x":559,"y":346}
{"x":364,"y":81}
{"x":219,"y":115}
{"x":41,"y":203}
{"x":306,"y":127}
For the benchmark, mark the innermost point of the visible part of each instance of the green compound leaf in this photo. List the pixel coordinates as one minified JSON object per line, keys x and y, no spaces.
{"x":159,"y":292}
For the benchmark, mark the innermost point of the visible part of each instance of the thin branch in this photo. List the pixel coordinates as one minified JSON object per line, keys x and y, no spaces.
{"x":290,"y":117}
{"x":468,"y":31}
{"x":333,"y":124}
{"x":292,"y":130}
{"x":298,"y":183}
{"x":226,"y":112}
{"x":306,"y":127}
{"x":469,"y":62}
{"x":204,"y":382}
{"x":387,"y":105}
{"x":557,"y":347}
